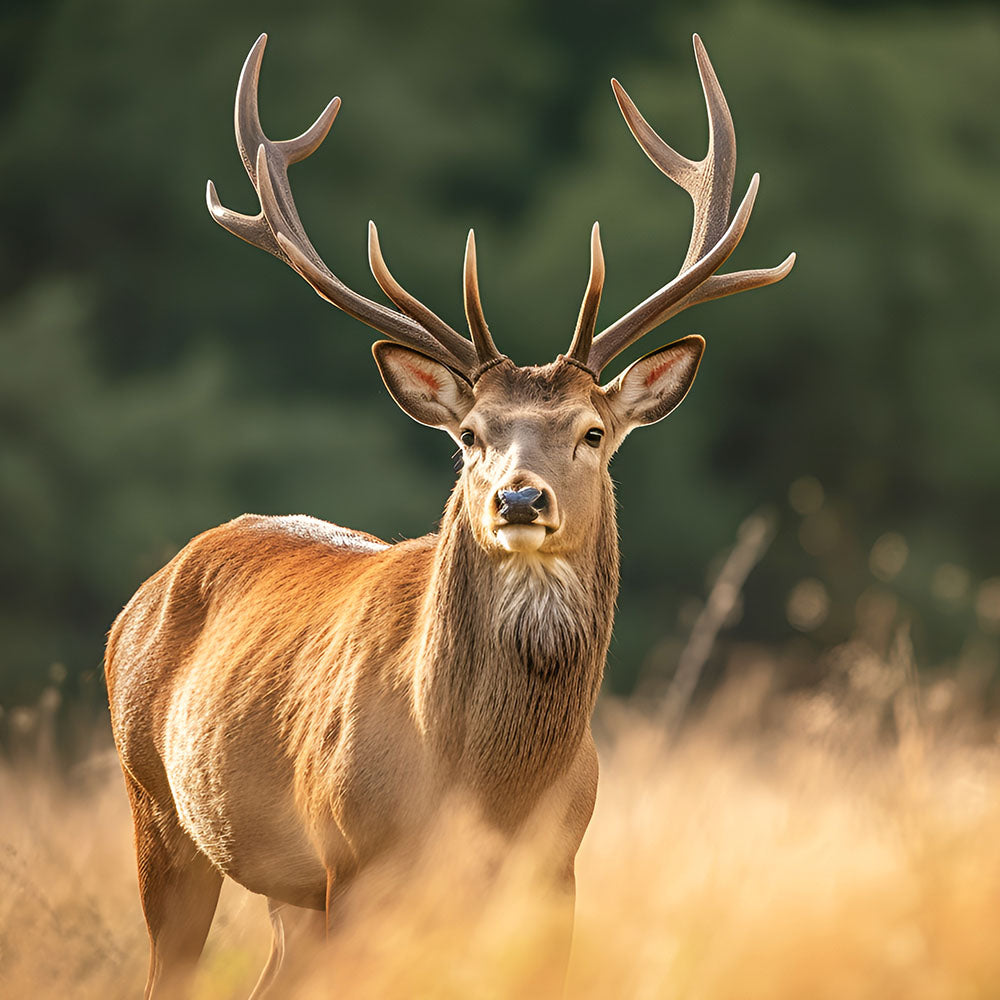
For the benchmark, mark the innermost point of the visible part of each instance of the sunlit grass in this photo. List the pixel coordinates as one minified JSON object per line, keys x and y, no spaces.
{"x":841,"y":842}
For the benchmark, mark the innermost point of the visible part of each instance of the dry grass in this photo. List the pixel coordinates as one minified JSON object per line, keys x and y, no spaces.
{"x":839,"y":843}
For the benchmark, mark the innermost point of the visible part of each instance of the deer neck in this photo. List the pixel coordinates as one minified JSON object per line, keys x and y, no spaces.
{"x":512,"y":655}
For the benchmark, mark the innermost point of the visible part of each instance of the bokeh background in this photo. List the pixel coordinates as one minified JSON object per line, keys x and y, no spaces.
{"x":158,"y":377}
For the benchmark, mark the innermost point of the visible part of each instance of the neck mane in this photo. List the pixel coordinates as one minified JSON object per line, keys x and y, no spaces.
{"x":512,"y":657}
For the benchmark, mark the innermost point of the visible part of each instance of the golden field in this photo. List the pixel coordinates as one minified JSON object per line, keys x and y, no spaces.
{"x":841,"y":842}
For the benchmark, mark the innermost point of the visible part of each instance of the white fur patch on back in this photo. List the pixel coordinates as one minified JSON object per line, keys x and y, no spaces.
{"x":312,"y":529}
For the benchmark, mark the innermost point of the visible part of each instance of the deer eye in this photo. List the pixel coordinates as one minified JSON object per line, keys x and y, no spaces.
{"x":593,"y":437}
{"x":467,"y":438}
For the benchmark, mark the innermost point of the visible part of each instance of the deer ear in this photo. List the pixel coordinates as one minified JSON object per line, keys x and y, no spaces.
{"x":649,"y":389}
{"x":427,"y":390}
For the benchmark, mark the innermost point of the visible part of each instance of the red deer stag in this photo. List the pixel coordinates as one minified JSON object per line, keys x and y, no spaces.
{"x":292,"y":700}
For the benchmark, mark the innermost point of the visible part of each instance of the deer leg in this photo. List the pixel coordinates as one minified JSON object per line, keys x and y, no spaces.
{"x":179,"y":889}
{"x":277,"y":956}
{"x":290,"y":927}
{"x":554,"y":976}
{"x":338,"y":881}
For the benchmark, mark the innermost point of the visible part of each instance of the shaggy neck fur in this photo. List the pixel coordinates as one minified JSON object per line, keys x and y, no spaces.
{"x":512,"y":658}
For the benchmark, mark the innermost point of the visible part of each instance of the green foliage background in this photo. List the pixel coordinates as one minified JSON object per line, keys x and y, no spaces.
{"x":157,"y":376}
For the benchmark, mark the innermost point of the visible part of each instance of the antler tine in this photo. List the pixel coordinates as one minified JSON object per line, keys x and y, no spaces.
{"x":481,"y":337}
{"x":583,"y":336}
{"x":709,"y":182}
{"x":249,"y":133}
{"x":249,"y":139}
{"x":458,"y":345}
{"x":721,"y":285}
{"x":278,"y":229}
{"x":651,"y":312}
{"x":251,"y":228}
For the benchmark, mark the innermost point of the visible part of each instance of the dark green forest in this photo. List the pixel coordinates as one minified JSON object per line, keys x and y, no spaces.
{"x":158,"y":376}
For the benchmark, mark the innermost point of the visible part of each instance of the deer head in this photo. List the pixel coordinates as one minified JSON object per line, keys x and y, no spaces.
{"x":536,"y":441}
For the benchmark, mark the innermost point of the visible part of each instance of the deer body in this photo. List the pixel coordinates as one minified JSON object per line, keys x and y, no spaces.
{"x":294,"y":702}
{"x":327,"y":670}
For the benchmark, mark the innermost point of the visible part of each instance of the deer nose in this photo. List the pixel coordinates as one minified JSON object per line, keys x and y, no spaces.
{"x":521,"y":506}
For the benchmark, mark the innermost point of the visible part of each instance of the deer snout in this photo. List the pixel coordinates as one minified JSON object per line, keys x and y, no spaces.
{"x":521,"y":506}
{"x":523,"y":516}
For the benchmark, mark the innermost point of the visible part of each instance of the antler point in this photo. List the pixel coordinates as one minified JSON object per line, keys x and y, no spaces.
{"x":212,"y":200}
{"x":256,"y":52}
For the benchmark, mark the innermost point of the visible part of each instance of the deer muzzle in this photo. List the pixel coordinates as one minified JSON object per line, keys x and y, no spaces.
{"x":522,"y":524}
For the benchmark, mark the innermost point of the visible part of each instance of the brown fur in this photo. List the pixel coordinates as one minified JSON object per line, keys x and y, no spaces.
{"x":293,"y":701}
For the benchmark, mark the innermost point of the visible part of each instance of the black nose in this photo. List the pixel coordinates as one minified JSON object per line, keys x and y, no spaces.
{"x":521,"y":506}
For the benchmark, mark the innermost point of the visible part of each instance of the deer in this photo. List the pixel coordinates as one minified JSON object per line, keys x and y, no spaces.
{"x":293,"y":701}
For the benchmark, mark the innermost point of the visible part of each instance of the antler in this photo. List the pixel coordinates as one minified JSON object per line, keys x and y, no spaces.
{"x":278,"y":230}
{"x":709,"y":182}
